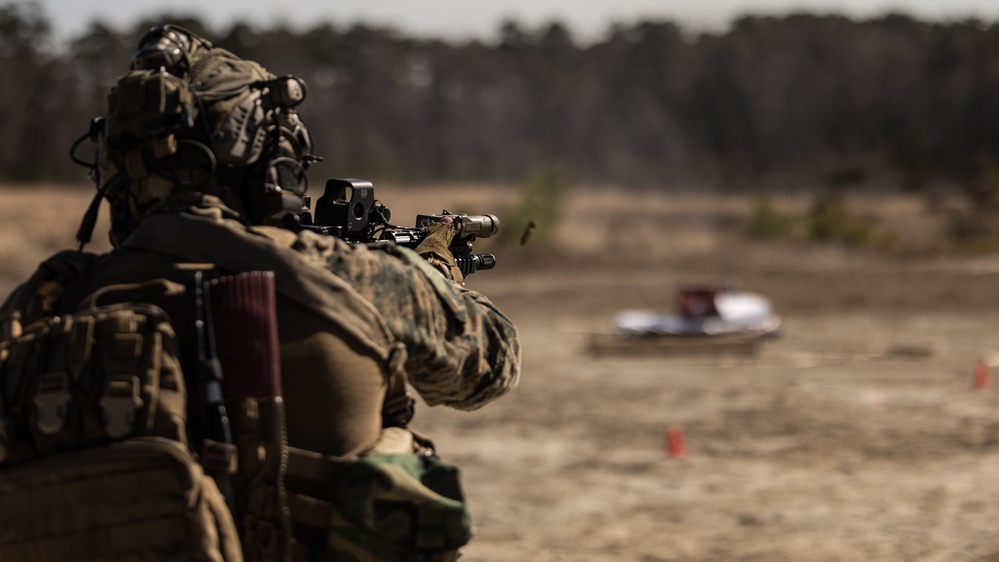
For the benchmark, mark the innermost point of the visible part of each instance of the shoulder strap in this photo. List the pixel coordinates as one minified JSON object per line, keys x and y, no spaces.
{"x":54,"y":288}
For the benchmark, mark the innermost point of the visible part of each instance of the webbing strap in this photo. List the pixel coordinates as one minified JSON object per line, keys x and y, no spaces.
{"x":311,"y":466}
{"x":309,"y":511}
{"x":308,"y":475}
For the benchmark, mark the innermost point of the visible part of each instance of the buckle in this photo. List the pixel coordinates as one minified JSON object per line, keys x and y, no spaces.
{"x":119,"y":404}
{"x":52,"y":402}
{"x":218,"y":457}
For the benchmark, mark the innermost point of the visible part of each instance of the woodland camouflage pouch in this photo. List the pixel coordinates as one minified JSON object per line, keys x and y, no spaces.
{"x":398,"y":502}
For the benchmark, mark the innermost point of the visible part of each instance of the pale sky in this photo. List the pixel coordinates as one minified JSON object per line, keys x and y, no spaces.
{"x":459,"y":19}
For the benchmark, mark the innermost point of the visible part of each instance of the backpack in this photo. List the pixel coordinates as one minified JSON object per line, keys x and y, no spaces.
{"x":115,"y":440}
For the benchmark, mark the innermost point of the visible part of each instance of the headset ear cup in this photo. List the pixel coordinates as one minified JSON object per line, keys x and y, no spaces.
{"x":289,"y":175}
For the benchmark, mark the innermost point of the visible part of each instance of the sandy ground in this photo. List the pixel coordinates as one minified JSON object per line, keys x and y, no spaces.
{"x":859,"y":434}
{"x":842,"y":440}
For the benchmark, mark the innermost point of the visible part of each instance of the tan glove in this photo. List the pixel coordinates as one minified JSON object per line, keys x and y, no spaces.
{"x":435,"y":249}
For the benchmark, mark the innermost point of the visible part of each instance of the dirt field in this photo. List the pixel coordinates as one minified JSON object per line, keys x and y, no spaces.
{"x":856,"y":435}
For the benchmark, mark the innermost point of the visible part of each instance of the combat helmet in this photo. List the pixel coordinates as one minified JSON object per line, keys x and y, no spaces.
{"x":190,"y":118}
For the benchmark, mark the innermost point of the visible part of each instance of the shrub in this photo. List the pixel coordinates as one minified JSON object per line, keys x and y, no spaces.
{"x":830,"y":220}
{"x":542,"y":201}
{"x":768,"y":222}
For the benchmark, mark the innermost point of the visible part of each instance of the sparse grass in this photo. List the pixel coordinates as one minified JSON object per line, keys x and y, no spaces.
{"x":769,"y":223}
{"x":829,"y":219}
{"x":974,"y":231}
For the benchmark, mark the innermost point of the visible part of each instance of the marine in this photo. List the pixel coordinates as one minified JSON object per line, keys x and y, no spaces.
{"x":202,"y":157}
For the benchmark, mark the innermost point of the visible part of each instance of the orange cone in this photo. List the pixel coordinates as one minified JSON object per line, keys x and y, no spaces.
{"x":981,"y":376}
{"x":675,"y":445}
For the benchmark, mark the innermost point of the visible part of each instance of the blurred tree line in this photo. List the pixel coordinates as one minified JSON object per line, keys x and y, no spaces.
{"x":802,"y":99}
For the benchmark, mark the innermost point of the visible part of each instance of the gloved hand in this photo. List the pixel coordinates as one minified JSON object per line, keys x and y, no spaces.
{"x":435,"y":249}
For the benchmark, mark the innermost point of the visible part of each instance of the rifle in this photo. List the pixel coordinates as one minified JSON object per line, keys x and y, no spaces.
{"x":348,"y":210}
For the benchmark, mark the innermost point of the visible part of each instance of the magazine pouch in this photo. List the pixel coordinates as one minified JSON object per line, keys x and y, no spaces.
{"x":95,"y":462}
